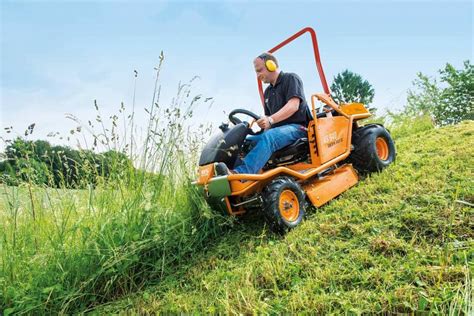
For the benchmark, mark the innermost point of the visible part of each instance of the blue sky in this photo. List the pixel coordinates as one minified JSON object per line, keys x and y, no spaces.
{"x":58,"y":56}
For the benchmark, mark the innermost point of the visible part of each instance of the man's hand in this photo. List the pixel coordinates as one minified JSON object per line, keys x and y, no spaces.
{"x":264,"y":122}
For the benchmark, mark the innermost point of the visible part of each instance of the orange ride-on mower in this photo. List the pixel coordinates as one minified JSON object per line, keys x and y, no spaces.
{"x":315,"y":169}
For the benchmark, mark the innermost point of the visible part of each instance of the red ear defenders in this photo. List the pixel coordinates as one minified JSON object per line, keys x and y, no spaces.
{"x":269,"y":64}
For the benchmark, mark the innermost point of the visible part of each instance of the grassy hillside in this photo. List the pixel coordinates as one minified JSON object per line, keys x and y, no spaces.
{"x":400,"y":241}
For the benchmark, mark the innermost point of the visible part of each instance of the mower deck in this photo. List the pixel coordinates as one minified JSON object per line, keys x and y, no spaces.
{"x":321,"y":191}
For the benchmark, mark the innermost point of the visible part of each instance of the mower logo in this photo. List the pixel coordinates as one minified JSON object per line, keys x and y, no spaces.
{"x":204,"y":172}
{"x":331,"y":139}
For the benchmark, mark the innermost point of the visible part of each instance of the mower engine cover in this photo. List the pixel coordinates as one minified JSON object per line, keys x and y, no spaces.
{"x":225,"y":145}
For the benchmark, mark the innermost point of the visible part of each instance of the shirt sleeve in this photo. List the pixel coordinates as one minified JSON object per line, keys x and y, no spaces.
{"x":267,"y":112}
{"x":265,"y":105}
{"x":294,"y":88}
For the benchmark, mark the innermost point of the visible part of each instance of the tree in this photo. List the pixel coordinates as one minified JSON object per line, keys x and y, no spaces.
{"x":350,"y":87}
{"x":449,"y":104}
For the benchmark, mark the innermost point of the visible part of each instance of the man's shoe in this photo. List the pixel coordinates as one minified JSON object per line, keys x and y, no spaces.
{"x":221,"y":169}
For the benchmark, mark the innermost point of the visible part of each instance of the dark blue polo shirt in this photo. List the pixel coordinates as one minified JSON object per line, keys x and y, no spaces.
{"x":287,"y":86}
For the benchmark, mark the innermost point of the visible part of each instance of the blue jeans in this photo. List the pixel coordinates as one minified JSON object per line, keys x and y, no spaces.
{"x":267,"y":143}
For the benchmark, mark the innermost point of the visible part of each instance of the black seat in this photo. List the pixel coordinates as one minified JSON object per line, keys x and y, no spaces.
{"x":292,"y":149}
{"x":293,"y":153}
{"x":324,"y":114}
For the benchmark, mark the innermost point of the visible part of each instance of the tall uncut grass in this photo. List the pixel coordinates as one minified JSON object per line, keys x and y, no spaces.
{"x":68,"y":250}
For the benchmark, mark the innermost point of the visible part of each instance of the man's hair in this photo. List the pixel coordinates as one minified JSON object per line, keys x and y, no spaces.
{"x":268,"y":56}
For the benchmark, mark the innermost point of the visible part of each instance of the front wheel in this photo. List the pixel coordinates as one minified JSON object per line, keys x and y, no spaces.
{"x":374,"y":149}
{"x":284,"y":204}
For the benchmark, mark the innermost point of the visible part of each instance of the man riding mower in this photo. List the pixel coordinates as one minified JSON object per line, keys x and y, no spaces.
{"x":297,"y":155}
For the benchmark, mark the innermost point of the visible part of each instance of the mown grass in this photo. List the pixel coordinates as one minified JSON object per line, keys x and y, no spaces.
{"x":400,"y":241}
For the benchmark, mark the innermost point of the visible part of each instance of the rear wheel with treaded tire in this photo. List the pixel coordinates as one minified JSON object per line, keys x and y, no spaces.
{"x":284,"y":204}
{"x":373,"y":149}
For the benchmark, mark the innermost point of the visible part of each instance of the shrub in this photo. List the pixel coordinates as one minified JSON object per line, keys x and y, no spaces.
{"x":449,"y":104}
{"x":38,"y":162}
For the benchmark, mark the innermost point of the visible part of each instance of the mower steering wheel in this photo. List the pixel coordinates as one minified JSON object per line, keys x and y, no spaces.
{"x":235,"y":120}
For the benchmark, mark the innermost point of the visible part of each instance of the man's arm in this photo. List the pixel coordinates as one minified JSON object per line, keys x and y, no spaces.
{"x":285,"y":112}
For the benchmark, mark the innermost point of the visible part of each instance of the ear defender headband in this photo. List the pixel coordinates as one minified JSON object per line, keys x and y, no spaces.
{"x":269,"y":64}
